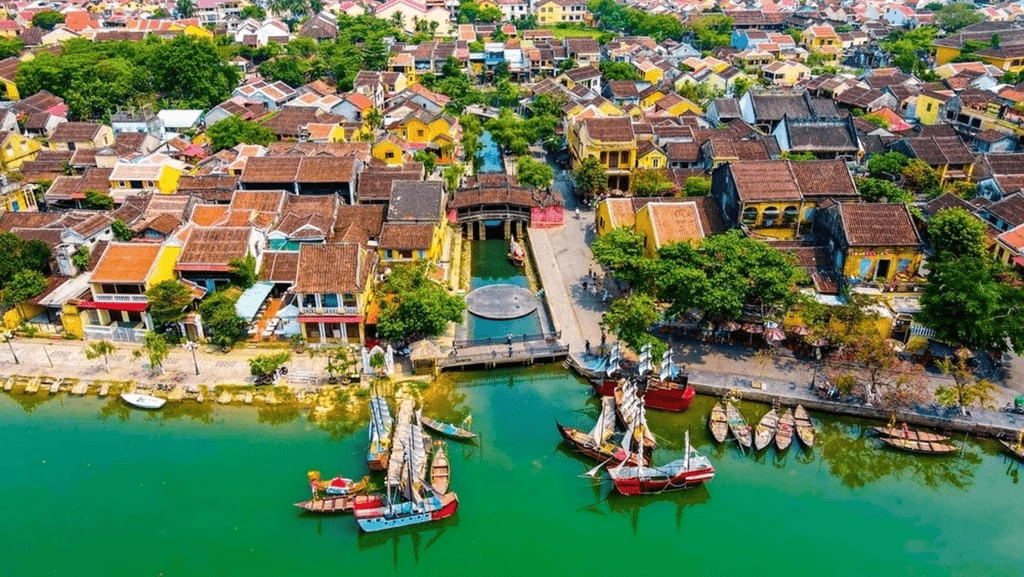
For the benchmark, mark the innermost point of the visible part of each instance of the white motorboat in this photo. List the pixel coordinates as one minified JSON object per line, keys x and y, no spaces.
{"x":143,"y":401}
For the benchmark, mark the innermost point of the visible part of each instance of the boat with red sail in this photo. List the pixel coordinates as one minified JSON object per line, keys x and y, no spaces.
{"x":691,"y":471}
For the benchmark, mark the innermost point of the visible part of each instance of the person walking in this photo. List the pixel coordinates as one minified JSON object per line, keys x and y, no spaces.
{"x":587,"y":344}
{"x":510,"y":350}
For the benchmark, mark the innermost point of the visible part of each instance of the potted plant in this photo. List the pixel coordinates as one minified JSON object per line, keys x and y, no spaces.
{"x":338,"y":362}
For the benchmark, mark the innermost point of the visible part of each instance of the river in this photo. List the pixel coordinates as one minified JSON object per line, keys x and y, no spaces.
{"x":90,"y":487}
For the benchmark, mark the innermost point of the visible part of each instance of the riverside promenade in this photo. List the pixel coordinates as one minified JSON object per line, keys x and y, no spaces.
{"x":565,"y":262}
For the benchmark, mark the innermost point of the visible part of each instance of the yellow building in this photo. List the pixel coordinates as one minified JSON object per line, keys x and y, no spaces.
{"x":665,"y":223}
{"x":928,"y":105}
{"x":609,"y":140}
{"x":872,"y":243}
{"x":785,"y":72}
{"x":557,"y":11}
{"x":10,"y":89}
{"x":649,"y":156}
{"x":389,"y":149}
{"x":820,"y":38}
{"x":128,"y":178}
{"x":17,"y":200}
{"x":613,"y":213}
{"x":16,"y":149}
{"x":649,"y":97}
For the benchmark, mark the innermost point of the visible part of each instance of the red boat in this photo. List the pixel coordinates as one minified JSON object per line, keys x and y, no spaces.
{"x":378,"y":513}
{"x":605,"y":452}
{"x":667,"y":391}
{"x":686,"y":473}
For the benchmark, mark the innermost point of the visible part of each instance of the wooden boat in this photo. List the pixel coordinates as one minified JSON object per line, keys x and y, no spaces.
{"x":784,"y":432}
{"x":440,"y":470}
{"x":910,"y":434}
{"x":718,"y":423}
{"x":804,"y":426}
{"x":629,"y":408}
{"x":668,"y":390}
{"x":1016,"y":449}
{"x":381,"y":423}
{"x":605,"y":452}
{"x":516,"y":254}
{"x":448,"y":429}
{"x":409,"y":499}
{"x":737,"y":424}
{"x":334,"y":495}
{"x":690,"y":471}
{"x":141,"y":401}
{"x":764,"y":432}
{"x":926,"y":447}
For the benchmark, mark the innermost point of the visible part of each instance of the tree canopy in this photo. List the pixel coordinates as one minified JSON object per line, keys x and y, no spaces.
{"x":956,"y":233}
{"x":957,"y":15}
{"x":168,"y":301}
{"x":614,"y":16}
{"x":415,"y":306}
{"x":590,"y":178}
{"x":25,"y":285}
{"x":532,"y":173}
{"x":652,"y":182}
{"x":17,"y":255}
{"x":219,"y":316}
{"x":629,"y":318}
{"x":47,"y":19}
{"x":622,"y":251}
{"x":233,"y":131}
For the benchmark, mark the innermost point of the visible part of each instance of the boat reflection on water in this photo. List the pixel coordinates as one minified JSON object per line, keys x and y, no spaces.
{"x":422,"y":538}
{"x":632,"y":506}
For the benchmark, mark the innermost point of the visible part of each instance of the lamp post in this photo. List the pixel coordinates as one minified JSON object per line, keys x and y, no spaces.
{"x":192,"y":346}
{"x":7,"y":337}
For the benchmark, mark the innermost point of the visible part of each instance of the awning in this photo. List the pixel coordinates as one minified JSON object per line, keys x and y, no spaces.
{"x":113,"y":306}
{"x":372,"y":312}
{"x":1018,"y":260}
{"x":249,"y":303}
{"x":330,"y":319}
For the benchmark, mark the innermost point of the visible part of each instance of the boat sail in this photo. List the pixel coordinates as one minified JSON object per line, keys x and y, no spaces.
{"x":381,"y":424}
{"x":690,"y":471}
{"x":516,"y":254}
{"x":632,"y":412}
{"x":597,"y":444}
{"x":667,"y":390}
{"x":409,"y":499}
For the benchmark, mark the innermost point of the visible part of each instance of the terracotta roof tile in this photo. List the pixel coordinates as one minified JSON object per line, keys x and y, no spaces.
{"x":406,"y":236}
{"x":280,"y":266}
{"x":331,"y":268}
{"x":212,"y":248}
{"x":126,"y":263}
{"x":878,"y":224}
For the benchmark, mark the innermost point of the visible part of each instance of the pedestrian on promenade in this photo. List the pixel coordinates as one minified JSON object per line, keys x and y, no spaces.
{"x":587,"y":343}
{"x":508,"y":341}
{"x":510,"y":350}
{"x":577,"y":213}
{"x":584,"y":285}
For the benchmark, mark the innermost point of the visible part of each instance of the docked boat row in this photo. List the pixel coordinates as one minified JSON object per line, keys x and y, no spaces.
{"x":417,"y":473}
{"x":726,"y":418}
{"x":910,"y":440}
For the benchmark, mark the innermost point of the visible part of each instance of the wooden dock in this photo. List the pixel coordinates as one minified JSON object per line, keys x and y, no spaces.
{"x":490,"y":356}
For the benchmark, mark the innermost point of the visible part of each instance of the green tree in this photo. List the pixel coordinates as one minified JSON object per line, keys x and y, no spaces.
{"x":967,"y":389}
{"x":881,"y":190}
{"x":651,"y":182}
{"x":184,"y":8}
{"x":590,"y":178}
{"x":622,"y":252}
{"x":415,"y":306}
{"x":887,"y":165}
{"x":98,"y":201}
{"x":539,"y":175}
{"x":233,"y":131}
{"x":452,"y":175}
{"x":612,"y":70}
{"x":168,"y":301}
{"x":629,"y":318}
{"x":920,"y":178}
{"x":966,"y":301}
{"x":47,"y":19}
{"x":243,"y":271}
{"x":24,"y":285}
{"x":266,"y":365}
{"x":80,"y":258}
{"x":429,"y":160}
{"x":291,"y":70}
{"x":697,"y":186}
{"x":17,"y":255}
{"x":156,"y":350}
{"x":375,"y":54}
{"x":254,"y":11}
{"x":189,"y":72}
{"x":10,"y":47}
{"x":219,"y":316}
{"x":338,"y":361}
{"x":712,"y":31}
{"x":121,"y":230}
{"x":97,"y":349}
{"x":962,"y":188}
{"x":956,"y":233}
{"x":957,"y":15}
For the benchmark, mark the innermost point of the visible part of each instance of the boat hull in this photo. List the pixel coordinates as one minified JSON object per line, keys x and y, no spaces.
{"x":922,"y":447}
{"x":1016,"y":450}
{"x":636,"y":485}
{"x":447,"y":429}
{"x":738,"y":425}
{"x":328,"y":505}
{"x":667,"y":396}
{"x":143,"y":401}
{"x":784,"y":434}
{"x":575,"y":438}
{"x":804,"y":426}
{"x":910,"y":434}
{"x":374,"y":514}
{"x":718,"y":423}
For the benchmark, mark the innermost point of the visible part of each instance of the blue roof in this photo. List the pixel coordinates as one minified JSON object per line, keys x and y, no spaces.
{"x":249,"y":303}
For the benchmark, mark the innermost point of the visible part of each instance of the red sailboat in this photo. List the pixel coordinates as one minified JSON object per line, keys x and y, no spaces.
{"x":668,"y":390}
{"x":597,"y":444}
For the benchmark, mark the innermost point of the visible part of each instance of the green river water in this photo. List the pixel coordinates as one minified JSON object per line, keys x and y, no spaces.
{"x":90,"y":487}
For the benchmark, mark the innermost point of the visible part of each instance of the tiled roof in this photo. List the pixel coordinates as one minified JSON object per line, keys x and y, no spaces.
{"x":615,"y":129}
{"x":416,"y":200}
{"x":258,"y":200}
{"x":824,"y":178}
{"x":406,"y":236}
{"x":331,"y":268}
{"x":938,"y":151}
{"x":675,"y":222}
{"x":765,"y":180}
{"x":1009,"y":209}
{"x":878,"y":224}
{"x":163,"y":224}
{"x":209,"y":214}
{"x":212,"y":248}
{"x":944,"y":201}
{"x":358,"y":223}
{"x":126,"y":263}
{"x":75,"y":132}
{"x":280,"y":266}
{"x":271,"y":169}
{"x":375,"y":182}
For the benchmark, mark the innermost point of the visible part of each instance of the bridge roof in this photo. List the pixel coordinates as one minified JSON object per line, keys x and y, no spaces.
{"x":474,"y":197}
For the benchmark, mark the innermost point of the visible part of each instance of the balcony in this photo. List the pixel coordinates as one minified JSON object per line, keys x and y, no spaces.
{"x":353,"y":310}
{"x":114,"y":333}
{"x":119,"y":298}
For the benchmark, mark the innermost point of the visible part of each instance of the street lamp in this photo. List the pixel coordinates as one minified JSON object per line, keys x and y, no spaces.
{"x":192,"y":346}
{"x":7,"y":337}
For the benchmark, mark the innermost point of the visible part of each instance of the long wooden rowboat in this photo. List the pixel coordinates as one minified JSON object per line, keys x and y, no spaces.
{"x":606,"y":452}
{"x":764,"y":432}
{"x":718,"y":423}
{"x":328,"y":505}
{"x":447,"y":429}
{"x":804,"y":426}
{"x":910,"y":434}
{"x":925,"y":447}
{"x":738,"y":425}
{"x":784,"y":433}
{"x":1016,"y":450}
{"x":440,"y":470}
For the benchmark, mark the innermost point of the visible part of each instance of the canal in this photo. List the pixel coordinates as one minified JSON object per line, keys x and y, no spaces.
{"x":92,"y":488}
{"x":490,"y":265}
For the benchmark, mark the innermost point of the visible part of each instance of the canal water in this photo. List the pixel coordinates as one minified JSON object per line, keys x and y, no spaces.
{"x":92,"y":488}
{"x":490,"y":154}
{"x":490,"y":265}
